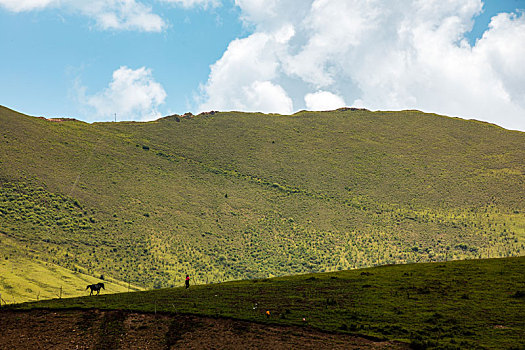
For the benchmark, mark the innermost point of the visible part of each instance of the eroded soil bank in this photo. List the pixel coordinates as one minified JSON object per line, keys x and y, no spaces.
{"x":96,"y":329}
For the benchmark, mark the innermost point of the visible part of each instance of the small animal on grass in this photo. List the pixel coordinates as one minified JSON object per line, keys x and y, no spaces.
{"x":95,"y":288}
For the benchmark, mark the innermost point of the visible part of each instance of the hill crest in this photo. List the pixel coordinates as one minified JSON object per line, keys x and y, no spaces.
{"x":235,"y":195}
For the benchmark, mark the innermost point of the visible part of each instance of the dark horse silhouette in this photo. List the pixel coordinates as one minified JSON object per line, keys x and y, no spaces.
{"x":95,"y":288}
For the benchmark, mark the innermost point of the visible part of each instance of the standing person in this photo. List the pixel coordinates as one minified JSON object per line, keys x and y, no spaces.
{"x":187,"y":281}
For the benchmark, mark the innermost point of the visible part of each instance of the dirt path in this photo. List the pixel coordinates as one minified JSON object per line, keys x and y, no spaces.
{"x":94,"y":329}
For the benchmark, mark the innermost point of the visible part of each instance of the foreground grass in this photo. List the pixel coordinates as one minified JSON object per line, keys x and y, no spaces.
{"x":460,"y":304}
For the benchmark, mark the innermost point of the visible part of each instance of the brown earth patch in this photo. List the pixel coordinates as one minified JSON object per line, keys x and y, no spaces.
{"x":97,"y":329}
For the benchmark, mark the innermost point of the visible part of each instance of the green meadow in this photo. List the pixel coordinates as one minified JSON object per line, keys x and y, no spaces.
{"x":27,"y":279}
{"x":231,"y":196}
{"x":471,"y":304}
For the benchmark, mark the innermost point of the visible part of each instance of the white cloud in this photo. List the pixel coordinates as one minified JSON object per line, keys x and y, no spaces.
{"x":272,"y":14}
{"x":132,"y":94}
{"x":503,"y":47}
{"x":263,"y":96}
{"x":408,"y":54}
{"x":194,"y":3}
{"x":25,"y":5}
{"x":235,"y":85}
{"x":107,"y":14}
{"x":323,"y":101}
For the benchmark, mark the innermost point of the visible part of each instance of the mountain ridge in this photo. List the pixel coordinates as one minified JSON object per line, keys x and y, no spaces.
{"x":234,"y":195}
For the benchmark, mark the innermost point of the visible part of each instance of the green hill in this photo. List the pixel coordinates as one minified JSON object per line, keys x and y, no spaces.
{"x":474,"y":304}
{"x":236,"y":195}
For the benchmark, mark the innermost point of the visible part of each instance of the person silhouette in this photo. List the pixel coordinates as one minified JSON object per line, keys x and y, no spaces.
{"x":187,"y":281}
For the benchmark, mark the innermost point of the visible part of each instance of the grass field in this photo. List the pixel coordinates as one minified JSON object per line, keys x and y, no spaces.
{"x":25,"y":278}
{"x":474,"y":304}
{"x":244,"y":195}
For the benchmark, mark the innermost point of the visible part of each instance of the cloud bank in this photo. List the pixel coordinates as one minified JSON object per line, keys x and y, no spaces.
{"x":323,"y":101}
{"x":408,"y":54}
{"x":107,"y":14}
{"x":132,"y":95}
{"x":321,"y":54}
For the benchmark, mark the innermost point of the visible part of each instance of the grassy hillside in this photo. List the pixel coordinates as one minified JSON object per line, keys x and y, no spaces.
{"x":474,"y":304}
{"x":24,"y":278}
{"x":234,"y":195}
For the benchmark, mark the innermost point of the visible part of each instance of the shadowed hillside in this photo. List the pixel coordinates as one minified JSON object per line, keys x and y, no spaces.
{"x":236,"y":195}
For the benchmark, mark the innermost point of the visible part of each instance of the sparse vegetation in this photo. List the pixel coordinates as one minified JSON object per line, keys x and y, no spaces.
{"x":233,"y":195}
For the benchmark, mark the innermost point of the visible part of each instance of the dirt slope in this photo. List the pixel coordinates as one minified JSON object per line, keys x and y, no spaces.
{"x":95,"y":329}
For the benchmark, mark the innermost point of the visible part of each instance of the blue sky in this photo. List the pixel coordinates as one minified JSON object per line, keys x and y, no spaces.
{"x":47,"y":52}
{"x":490,"y":9}
{"x":162,"y":57}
